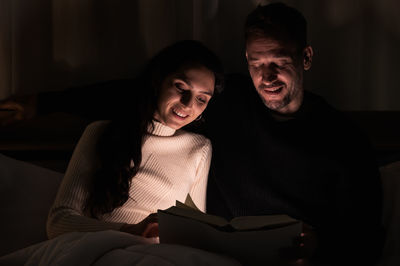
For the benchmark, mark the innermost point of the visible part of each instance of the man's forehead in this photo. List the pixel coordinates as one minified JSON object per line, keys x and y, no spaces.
{"x":278,"y":53}
{"x":270,"y":46}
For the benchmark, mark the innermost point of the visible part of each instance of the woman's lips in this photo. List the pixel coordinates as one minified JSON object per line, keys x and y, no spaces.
{"x":179,"y":114}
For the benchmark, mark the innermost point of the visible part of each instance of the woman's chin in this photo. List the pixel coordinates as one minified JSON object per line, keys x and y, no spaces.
{"x":179,"y":123}
{"x":175,"y":125}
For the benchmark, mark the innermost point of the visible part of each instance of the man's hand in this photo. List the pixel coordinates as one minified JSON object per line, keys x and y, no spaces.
{"x":309,"y":241}
{"x":146,"y":228}
{"x":302,"y":250}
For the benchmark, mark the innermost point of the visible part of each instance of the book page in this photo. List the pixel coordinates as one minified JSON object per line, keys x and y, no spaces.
{"x":255,"y":247}
{"x":181,"y":205}
{"x":243,"y":223}
{"x":261,"y":222}
{"x":189,"y":202}
{"x":188,"y":212}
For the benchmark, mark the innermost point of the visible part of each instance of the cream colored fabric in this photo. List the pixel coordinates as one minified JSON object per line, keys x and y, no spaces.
{"x":174,"y":163}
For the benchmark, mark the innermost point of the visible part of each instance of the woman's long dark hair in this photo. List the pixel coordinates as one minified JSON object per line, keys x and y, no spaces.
{"x":120,"y":148}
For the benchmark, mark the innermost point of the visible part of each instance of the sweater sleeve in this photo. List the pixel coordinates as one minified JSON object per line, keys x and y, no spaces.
{"x":66,"y":214}
{"x":199,"y":187}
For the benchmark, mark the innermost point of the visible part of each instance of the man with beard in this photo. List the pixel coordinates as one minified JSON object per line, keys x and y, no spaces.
{"x":280,"y":149}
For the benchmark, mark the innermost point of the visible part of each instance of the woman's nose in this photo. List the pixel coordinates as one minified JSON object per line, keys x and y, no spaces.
{"x":187,"y":99}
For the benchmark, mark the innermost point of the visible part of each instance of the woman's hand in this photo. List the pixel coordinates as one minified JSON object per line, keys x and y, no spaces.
{"x":148,"y":227}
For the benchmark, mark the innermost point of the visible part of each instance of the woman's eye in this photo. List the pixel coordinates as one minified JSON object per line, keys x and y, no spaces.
{"x":201,"y":100}
{"x":179,"y":87}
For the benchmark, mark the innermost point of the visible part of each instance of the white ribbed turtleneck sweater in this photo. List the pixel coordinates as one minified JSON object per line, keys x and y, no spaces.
{"x":174,"y":163}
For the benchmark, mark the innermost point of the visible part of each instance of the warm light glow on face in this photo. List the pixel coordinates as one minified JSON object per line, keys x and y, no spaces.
{"x":277,"y":73}
{"x":184,"y":97}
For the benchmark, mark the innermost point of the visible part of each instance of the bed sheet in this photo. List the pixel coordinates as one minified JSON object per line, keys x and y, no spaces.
{"x":111,"y":248}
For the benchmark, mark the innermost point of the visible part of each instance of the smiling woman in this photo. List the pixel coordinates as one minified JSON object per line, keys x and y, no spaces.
{"x":123,"y":171}
{"x":184,"y":96}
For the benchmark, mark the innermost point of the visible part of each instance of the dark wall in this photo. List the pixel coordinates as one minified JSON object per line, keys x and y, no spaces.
{"x":52,"y":45}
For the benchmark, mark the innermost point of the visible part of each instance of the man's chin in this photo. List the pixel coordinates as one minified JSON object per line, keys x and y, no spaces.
{"x":276,"y":104}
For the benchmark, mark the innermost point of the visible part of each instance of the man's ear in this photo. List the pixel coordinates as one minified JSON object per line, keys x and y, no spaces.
{"x":307,"y":57}
{"x":247,"y":56}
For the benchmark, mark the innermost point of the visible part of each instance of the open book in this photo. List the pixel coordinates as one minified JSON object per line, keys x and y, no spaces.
{"x":250,"y":239}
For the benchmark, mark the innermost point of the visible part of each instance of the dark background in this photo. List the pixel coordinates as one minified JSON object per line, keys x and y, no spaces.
{"x":52,"y":45}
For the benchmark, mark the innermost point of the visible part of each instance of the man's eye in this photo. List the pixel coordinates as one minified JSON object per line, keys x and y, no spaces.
{"x":278,"y":65}
{"x":283,"y":63}
{"x":255,"y":65}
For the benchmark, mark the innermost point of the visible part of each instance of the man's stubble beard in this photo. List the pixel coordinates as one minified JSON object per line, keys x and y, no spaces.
{"x":276,"y":105}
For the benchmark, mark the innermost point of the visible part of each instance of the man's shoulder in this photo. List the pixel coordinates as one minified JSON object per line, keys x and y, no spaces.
{"x":317,"y":101}
{"x":325,"y":115}
{"x":316,"y":106}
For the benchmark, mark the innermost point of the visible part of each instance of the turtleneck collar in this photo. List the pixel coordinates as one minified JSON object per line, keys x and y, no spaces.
{"x":160,"y":129}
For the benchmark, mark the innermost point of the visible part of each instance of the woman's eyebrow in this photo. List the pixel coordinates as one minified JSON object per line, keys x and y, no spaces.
{"x":183,"y":77}
{"x":207,"y":92}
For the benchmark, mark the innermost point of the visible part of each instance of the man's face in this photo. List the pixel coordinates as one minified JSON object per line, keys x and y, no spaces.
{"x":276,"y":69}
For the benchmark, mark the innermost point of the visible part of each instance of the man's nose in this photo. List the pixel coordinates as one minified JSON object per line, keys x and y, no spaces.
{"x":269,"y":74}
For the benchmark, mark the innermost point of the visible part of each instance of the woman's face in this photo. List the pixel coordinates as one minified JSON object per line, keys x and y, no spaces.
{"x":184,"y":96}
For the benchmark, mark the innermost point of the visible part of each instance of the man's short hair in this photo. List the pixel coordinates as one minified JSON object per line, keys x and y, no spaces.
{"x":278,"y":21}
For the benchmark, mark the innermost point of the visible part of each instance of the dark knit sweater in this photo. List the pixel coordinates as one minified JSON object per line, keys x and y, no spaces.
{"x":314,"y":165}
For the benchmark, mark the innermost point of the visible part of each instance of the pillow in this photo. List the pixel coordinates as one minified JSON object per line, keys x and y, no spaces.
{"x":26,"y":195}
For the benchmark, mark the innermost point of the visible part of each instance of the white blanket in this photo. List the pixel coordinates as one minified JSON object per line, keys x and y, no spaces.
{"x":110,"y":248}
